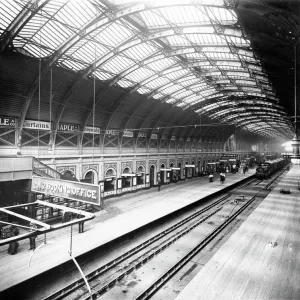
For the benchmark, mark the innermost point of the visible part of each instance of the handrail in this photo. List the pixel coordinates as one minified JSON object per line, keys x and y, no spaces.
{"x":37,"y":164}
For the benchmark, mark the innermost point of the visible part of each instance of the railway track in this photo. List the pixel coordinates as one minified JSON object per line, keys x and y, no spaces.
{"x":147,"y":250}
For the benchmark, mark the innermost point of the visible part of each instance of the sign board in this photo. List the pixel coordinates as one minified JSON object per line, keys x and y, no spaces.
{"x":68,"y":127}
{"x":190,"y":166}
{"x":154,"y":136}
{"x":112,"y":132}
{"x":128,"y":133}
{"x":90,"y":129}
{"x":74,"y":190}
{"x":30,"y":124}
{"x":7,"y":121}
{"x":119,"y":183}
{"x":142,"y":134}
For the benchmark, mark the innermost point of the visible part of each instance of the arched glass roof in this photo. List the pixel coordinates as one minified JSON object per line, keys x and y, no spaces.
{"x":191,"y":54}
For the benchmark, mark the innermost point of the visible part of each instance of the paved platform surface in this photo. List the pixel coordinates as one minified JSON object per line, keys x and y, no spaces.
{"x":120,"y":216}
{"x":261,"y":260}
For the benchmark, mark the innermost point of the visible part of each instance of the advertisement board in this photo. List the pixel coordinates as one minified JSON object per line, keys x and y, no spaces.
{"x":74,"y":190}
{"x":91,"y":130}
{"x":68,"y":127}
{"x":7,"y":121}
{"x":31,"y":124}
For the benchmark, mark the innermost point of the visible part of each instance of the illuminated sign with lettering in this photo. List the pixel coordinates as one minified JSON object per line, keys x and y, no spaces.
{"x":68,"y":127}
{"x":7,"y":121}
{"x":78,"y":191}
{"x":30,"y":124}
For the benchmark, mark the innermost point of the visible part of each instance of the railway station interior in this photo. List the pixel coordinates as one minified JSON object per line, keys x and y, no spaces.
{"x":171,"y":123}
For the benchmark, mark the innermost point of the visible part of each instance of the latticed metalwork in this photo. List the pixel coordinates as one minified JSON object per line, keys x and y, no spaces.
{"x":191,"y":54}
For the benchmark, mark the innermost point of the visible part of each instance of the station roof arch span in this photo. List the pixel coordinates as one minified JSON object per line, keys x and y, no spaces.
{"x":210,"y":57}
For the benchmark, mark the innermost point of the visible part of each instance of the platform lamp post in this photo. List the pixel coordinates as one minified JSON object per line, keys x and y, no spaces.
{"x":295,"y":158}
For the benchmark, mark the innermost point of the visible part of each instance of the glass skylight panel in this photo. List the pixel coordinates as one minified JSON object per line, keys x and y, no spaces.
{"x":238,"y":41}
{"x":37,"y":51}
{"x":103,"y":75}
{"x":172,"y":89}
{"x":74,"y":65}
{"x":221,"y":15}
{"x":177,"y":40}
{"x":182,"y":15}
{"x":188,"y":81}
{"x":161,"y":64}
{"x":140,"y":51}
{"x":9,"y":10}
{"x":171,"y":100}
{"x":193,"y":98}
{"x":154,"y":84}
{"x":140,"y":74}
{"x":206,"y":39}
{"x":153,"y":18}
{"x":117,"y":64}
{"x":183,"y":94}
{"x":124,"y":83}
{"x":143,"y":90}
{"x":89,"y":51}
{"x":179,"y":73}
{"x":159,"y":96}
{"x":114,"y":35}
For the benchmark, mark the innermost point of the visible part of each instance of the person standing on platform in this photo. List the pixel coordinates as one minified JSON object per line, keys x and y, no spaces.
{"x":32,"y":237}
{"x":222,"y":177}
{"x":14,"y":245}
{"x":159,"y":184}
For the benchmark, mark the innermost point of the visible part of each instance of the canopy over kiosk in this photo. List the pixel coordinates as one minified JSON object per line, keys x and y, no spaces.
{"x":141,"y":177}
{"x":189,"y":168}
{"x":129,"y":180}
{"x":109,"y":184}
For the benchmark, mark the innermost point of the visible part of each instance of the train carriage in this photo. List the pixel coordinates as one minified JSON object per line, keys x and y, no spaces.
{"x":267,"y":168}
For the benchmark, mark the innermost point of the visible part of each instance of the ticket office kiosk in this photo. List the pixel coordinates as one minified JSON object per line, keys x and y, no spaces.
{"x":211,"y":167}
{"x":189,"y":169}
{"x":174,"y":174}
{"x":128,"y":181}
{"x":109,"y":186}
{"x":147,"y":180}
{"x":223,"y":165}
{"x":165,"y":175}
{"x":231,"y":163}
{"x":141,"y":180}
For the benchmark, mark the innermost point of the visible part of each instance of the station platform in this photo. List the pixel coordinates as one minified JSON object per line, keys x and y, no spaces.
{"x":261,"y":260}
{"x":120,"y":216}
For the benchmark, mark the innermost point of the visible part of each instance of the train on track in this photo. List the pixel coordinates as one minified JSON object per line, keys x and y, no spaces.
{"x":267,"y":168}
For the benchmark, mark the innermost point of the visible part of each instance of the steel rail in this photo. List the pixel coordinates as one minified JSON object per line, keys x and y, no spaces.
{"x":146,"y":259}
{"x":104,"y":268}
{"x":148,"y":292}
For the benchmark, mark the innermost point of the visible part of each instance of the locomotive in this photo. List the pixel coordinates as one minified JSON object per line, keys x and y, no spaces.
{"x":267,"y":168}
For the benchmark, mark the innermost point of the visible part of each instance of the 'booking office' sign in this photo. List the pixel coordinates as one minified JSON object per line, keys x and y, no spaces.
{"x":79,"y":191}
